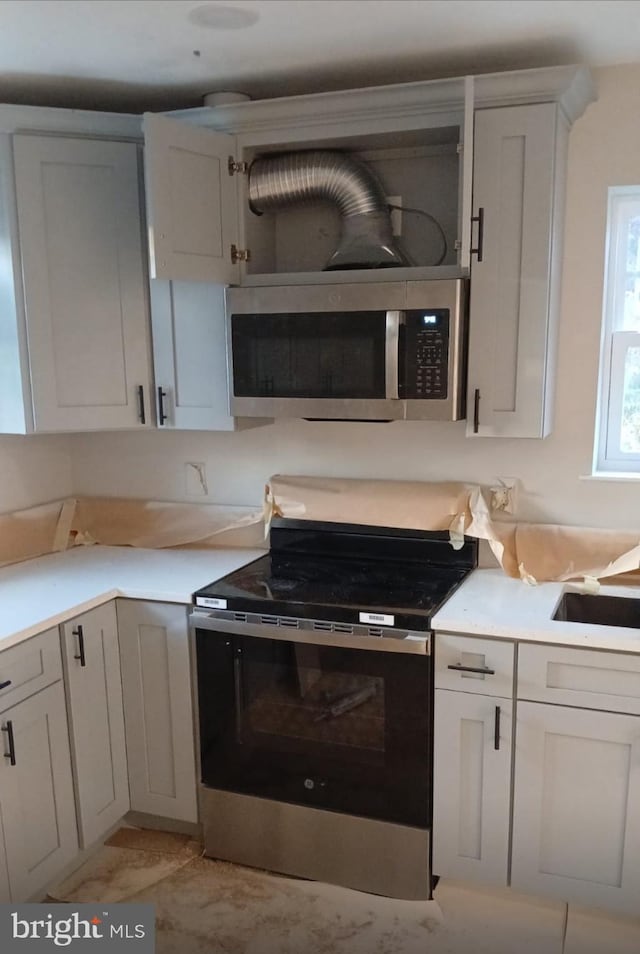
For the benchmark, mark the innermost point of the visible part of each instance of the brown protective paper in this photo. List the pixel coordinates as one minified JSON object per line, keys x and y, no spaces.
{"x":154,"y":524}
{"x":550,"y":552}
{"x":52,"y":527}
{"x":377,"y":503}
{"x":25,"y":534}
{"x":530,"y":552}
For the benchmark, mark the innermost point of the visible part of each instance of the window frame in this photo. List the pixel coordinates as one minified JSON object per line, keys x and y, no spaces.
{"x":609,"y":458}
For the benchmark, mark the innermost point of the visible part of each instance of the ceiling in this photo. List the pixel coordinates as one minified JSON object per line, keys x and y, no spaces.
{"x":156,"y":54}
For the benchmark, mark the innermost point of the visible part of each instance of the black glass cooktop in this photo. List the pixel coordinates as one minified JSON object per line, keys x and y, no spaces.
{"x":333,"y":575}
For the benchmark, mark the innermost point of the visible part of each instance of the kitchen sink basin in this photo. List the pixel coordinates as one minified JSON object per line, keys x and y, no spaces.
{"x":599,"y":610}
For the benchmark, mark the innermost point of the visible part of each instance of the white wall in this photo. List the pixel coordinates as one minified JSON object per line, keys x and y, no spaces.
{"x":33,"y":470}
{"x":604,"y":150}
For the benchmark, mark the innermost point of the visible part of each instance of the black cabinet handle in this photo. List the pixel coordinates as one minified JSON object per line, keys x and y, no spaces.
{"x":79,"y":633}
{"x":141,"y":415}
{"x":460,"y":668}
{"x":476,"y":411}
{"x":496,"y":730}
{"x":3,"y":685}
{"x":479,"y":218}
{"x":8,"y":728}
{"x":162,"y":417}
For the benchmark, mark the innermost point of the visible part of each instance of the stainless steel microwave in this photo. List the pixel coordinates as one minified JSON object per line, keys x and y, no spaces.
{"x":371,"y":352}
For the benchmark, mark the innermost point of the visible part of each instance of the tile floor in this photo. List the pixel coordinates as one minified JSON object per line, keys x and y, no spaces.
{"x":213,"y":907}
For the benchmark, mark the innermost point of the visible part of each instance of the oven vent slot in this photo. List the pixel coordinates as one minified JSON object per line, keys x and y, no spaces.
{"x":240,"y":617}
{"x":324,"y":627}
{"x":269,"y":620}
{"x":288,"y":621}
{"x":342,"y":628}
{"x":375,"y":631}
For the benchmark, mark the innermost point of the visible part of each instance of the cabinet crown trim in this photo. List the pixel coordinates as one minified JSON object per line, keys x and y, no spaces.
{"x":571,"y":86}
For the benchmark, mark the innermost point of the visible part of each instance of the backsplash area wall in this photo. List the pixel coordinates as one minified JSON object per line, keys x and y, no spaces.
{"x":604,"y":150}
{"x":33,"y":470}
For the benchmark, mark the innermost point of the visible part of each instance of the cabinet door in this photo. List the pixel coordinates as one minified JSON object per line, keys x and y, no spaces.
{"x":156,"y":682}
{"x":471,"y":786}
{"x":518,"y":167}
{"x":192,"y":205}
{"x":92,"y":666}
{"x":465,"y":196}
{"x":576,"y":826}
{"x":36,"y":794}
{"x":84,"y":284}
{"x":5,"y":893}
{"x":189,"y":353}
{"x":28,"y":667}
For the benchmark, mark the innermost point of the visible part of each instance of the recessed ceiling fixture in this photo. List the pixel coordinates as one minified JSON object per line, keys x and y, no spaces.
{"x":214,"y":16}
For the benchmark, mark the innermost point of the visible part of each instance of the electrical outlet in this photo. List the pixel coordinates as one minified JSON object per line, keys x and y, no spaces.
{"x":396,"y":214}
{"x":195,"y":479}
{"x":504,"y":495}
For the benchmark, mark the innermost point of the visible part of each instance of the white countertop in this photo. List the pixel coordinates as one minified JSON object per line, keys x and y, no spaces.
{"x":41,"y":593}
{"x":489,"y":603}
{"x":44,"y":592}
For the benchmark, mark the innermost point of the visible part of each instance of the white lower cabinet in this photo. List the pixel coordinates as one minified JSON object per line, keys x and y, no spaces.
{"x":5,"y":894}
{"x":558,"y":812}
{"x":473,"y":728}
{"x":36,"y":792}
{"x":576,"y":825}
{"x":156,"y":680}
{"x":472,"y":786}
{"x":96,"y":720}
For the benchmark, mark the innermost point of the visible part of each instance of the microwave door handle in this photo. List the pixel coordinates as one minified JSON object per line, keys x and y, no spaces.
{"x":392,"y":354}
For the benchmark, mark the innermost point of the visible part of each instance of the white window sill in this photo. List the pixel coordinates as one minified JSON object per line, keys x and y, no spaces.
{"x":613,"y":475}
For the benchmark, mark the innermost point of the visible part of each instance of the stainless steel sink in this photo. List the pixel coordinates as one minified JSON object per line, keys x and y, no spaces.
{"x":599,"y":610}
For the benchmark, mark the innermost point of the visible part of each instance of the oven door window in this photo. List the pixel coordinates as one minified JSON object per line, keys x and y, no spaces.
{"x":328,"y":355}
{"x":341,"y":729}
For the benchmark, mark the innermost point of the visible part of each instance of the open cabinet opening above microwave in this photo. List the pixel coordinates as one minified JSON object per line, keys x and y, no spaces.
{"x":370,"y":352}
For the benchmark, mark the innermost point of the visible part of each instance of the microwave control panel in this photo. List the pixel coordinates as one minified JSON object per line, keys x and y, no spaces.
{"x":426,"y":354}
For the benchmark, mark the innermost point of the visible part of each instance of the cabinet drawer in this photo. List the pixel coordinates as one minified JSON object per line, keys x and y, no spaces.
{"x":29,"y":667}
{"x":583,"y":678}
{"x":455,"y":656}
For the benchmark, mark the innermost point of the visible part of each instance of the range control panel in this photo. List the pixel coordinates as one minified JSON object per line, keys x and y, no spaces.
{"x":426,"y":354}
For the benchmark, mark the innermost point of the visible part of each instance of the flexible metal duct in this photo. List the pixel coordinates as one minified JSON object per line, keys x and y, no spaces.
{"x":305,"y":177}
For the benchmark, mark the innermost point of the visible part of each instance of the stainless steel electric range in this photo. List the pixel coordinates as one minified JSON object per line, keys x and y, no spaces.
{"x":315,"y":697}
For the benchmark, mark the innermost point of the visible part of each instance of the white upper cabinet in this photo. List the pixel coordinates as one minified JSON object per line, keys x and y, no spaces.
{"x":519,"y":163}
{"x":417,"y":139}
{"x":74,"y":336}
{"x":411,"y":138}
{"x":75,"y":314}
{"x":192,"y":209}
{"x":189,"y":354}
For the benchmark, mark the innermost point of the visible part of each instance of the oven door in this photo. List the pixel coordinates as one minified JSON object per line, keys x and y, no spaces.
{"x":336,"y":728}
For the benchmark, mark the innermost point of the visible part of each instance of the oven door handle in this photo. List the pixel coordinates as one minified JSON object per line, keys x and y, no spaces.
{"x":418,"y":642}
{"x":392,"y":354}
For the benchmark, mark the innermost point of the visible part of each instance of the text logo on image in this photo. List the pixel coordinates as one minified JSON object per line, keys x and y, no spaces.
{"x":83,"y":927}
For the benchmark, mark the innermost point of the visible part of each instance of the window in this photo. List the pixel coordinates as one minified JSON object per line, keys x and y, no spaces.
{"x":618,"y":427}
